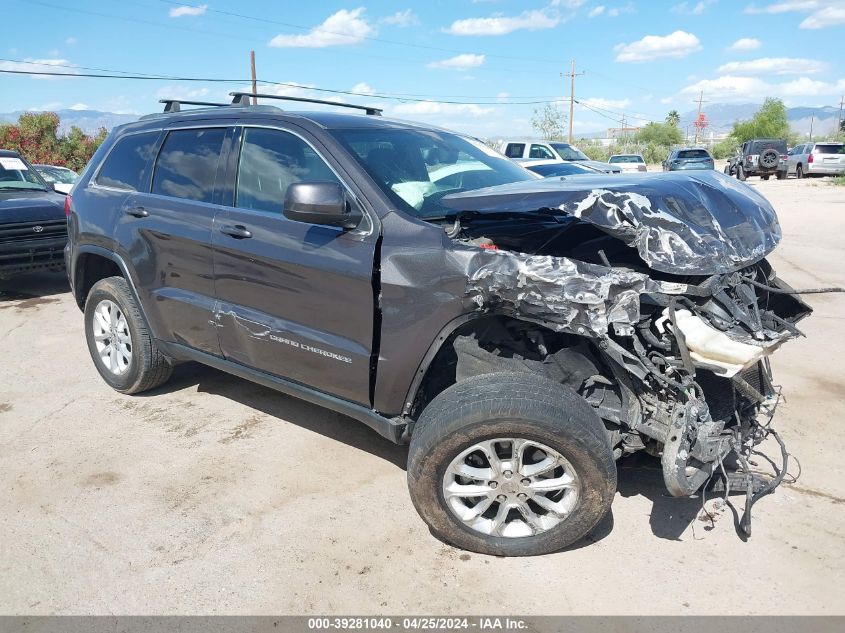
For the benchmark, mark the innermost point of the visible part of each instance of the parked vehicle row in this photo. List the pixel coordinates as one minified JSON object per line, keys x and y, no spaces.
{"x":526,"y":149}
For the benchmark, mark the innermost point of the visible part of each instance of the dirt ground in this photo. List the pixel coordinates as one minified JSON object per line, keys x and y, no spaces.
{"x":214,"y":495}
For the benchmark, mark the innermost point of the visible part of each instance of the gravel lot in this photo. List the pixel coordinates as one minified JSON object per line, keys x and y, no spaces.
{"x":214,"y":495}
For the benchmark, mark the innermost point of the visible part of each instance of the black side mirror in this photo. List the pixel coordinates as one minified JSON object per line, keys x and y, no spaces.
{"x":320,"y":202}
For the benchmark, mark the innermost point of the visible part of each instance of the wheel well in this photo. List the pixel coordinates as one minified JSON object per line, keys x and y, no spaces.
{"x":505,"y":344}
{"x":91,"y":268}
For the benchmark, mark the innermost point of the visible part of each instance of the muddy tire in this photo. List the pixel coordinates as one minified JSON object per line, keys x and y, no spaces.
{"x":524,"y":424}
{"x":121,"y":346}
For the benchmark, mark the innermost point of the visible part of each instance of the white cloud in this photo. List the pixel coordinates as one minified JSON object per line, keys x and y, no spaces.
{"x":503,"y":96}
{"x":693,"y":8}
{"x":185,"y":9}
{"x":746,"y":44}
{"x":79,"y":106}
{"x":821,"y":13}
{"x":459,"y":62}
{"x":363,"y":88}
{"x":181,"y":92}
{"x":71,"y":41}
{"x":677,"y":44}
{"x":402,"y":18}
{"x":730,"y":88}
{"x":40,"y":65}
{"x":773,"y":66}
{"x":500,"y":24}
{"x":341,"y":28}
{"x":617,"y":11}
{"x":596,"y":11}
{"x":433,"y":108}
{"x":607,"y":104}
{"x":293,"y":89}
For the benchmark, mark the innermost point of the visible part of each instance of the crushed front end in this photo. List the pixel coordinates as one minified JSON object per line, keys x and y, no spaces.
{"x":680,"y":345}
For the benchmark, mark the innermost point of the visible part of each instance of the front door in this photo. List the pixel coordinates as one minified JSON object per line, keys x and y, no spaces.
{"x":295,"y":299}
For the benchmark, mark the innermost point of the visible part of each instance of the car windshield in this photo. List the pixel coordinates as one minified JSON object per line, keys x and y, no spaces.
{"x":567,"y":152}
{"x":417,"y":168}
{"x":16,"y":174}
{"x":55,"y":174}
{"x":693,"y":153}
{"x":626,"y":158}
{"x":560,"y":169}
{"x":830,"y":148}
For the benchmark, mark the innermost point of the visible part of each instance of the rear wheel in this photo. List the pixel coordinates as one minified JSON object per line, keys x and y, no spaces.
{"x":765,"y":177}
{"x":121,"y":346}
{"x":510,"y":465}
{"x":740,"y":173}
{"x":781,"y":175}
{"x":799,"y":171}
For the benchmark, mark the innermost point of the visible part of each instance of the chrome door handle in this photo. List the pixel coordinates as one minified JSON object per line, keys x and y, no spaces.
{"x":237,"y":231}
{"x":137,"y":212}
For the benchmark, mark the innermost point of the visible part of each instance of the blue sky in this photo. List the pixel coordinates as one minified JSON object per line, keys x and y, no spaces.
{"x":641,"y":58}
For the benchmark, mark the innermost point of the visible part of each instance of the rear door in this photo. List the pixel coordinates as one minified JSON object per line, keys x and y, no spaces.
{"x":167,"y":234}
{"x":295,"y":300}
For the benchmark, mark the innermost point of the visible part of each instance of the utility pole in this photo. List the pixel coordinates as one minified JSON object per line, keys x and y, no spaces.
{"x":572,"y":75}
{"x":700,"y":101}
{"x":837,"y":131}
{"x":252,"y":70}
{"x":812,"y":120}
{"x":624,"y":133}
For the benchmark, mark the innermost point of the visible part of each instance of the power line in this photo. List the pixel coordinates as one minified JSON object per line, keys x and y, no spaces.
{"x":265,"y":82}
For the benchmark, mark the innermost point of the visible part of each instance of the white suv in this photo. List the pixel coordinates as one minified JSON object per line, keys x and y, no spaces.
{"x":811,"y":159}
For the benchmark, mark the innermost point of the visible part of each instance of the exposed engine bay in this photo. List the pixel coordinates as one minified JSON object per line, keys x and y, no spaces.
{"x":651,"y":298}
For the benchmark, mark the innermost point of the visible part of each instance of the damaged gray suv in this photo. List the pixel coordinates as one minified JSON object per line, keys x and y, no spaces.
{"x":521,"y":334}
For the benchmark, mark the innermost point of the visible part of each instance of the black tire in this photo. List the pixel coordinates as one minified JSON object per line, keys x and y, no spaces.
{"x":765,"y":176}
{"x":727,"y":170}
{"x":514,"y":405}
{"x":781,"y":175}
{"x":148,"y":367}
{"x":740,"y":173}
{"x":799,"y":171}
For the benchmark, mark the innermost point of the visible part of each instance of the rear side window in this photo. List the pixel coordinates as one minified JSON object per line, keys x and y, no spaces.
{"x":829,"y":148}
{"x":540,"y":151}
{"x":126,"y":163}
{"x":271,"y":160}
{"x":187,"y":164}
{"x":515,"y":150}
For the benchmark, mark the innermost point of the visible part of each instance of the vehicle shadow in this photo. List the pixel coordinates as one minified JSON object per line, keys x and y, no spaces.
{"x":303,"y":414}
{"x":641,"y":474}
{"x":33,"y":287}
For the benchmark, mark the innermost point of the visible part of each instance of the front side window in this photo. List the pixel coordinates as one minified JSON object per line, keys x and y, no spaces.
{"x":187,"y":164}
{"x":127,"y":162}
{"x":540,"y":151}
{"x":416,"y":169}
{"x":515,"y":150}
{"x":272,"y":160}
{"x":567,"y":152}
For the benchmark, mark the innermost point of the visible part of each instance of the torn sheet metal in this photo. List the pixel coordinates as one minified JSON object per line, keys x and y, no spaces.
{"x":703,"y":223}
{"x":562,"y":293}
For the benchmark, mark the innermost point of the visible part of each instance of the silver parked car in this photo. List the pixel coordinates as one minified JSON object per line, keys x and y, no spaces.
{"x":811,"y":159}
{"x":628,"y":162}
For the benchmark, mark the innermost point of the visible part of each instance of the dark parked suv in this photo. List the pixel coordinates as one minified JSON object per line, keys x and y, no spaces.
{"x":762,"y":157}
{"x":520,"y":333}
{"x":33,"y":228}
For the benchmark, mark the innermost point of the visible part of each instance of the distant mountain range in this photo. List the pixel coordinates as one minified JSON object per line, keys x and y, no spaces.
{"x":720,"y":116}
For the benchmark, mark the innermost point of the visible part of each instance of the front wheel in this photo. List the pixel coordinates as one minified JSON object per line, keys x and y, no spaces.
{"x":122,"y":348}
{"x":781,"y":175}
{"x":510,"y":465}
{"x":766,"y":177}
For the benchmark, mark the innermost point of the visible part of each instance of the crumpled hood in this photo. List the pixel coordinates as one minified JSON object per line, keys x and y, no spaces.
{"x":699,"y":223}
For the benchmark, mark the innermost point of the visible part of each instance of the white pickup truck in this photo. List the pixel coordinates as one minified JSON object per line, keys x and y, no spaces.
{"x":526,"y":149}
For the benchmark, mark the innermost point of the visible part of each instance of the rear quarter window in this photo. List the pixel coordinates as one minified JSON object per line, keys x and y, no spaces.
{"x":515,"y":150}
{"x":126,"y":164}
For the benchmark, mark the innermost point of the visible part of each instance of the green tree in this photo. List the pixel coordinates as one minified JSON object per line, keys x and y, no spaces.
{"x":663,"y":134}
{"x":673,"y":118}
{"x":549,"y":122}
{"x":770,"y":121}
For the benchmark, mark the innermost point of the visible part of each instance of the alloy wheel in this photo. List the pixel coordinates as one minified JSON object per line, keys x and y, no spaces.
{"x":112,"y":337}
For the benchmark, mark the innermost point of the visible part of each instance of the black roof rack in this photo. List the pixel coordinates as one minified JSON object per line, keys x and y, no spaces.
{"x":174,"y":105}
{"x":242,"y":98}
